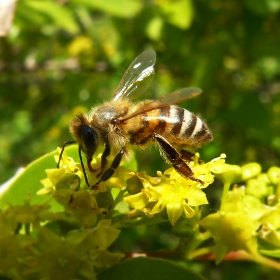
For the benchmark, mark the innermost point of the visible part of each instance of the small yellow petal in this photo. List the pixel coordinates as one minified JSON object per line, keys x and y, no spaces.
{"x":137,"y":201}
{"x":55,"y":175}
{"x":189,"y":211}
{"x":174,"y":212}
{"x":159,"y":206}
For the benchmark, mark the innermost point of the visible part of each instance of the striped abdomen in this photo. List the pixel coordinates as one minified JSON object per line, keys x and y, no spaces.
{"x":179,"y":126}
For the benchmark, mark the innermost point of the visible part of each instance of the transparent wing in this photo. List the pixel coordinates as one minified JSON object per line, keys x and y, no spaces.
{"x":177,"y":96}
{"x":138,"y":76}
{"x":172,"y":98}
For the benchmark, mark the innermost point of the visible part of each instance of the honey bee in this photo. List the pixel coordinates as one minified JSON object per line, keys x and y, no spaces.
{"x":121,"y":124}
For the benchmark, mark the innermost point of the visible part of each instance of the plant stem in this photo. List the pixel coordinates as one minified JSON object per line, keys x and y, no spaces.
{"x":206,"y":254}
{"x":225,"y":193}
{"x":27,"y":229}
{"x":118,"y":199}
{"x":199,"y":253}
{"x":195,"y":242}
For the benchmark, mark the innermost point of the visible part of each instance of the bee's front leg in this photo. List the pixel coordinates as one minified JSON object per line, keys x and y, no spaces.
{"x":104,"y":160}
{"x":110,"y":171}
{"x":175,"y":159}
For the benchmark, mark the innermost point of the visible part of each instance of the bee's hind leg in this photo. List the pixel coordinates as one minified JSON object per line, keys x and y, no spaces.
{"x":175,"y":159}
{"x":186,"y":155}
{"x":189,"y":156}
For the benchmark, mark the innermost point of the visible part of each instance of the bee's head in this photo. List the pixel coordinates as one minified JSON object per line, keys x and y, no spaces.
{"x":86,"y":136}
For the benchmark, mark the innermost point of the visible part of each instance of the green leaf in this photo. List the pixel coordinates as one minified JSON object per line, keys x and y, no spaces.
{"x":28,"y":182}
{"x":148,"y":269}
{"x":154,"y":28}
{"x":120,"y":8}
{"x":61,"y":16}
{"x":178,"y":13}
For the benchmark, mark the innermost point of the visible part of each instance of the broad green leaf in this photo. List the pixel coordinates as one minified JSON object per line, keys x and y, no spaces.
{"x":59,"y":15}
{"x":148,"y":269}
{"x":28,"y":182}
{"x":120,"y":8}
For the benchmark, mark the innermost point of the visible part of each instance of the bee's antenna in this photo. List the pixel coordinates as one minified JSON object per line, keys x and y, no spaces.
{"x":83,"y":167}
{"x":65,"y":144}
{"x":62,"y":150}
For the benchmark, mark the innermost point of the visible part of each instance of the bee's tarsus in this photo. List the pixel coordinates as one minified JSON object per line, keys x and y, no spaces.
{"x":196,"y":180}
{"x":96,"y":185}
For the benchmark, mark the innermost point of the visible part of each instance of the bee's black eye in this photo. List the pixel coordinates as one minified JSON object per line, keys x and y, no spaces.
{"x":90,"y":138}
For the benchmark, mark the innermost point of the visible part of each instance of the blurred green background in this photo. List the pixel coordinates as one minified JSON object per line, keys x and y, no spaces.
{"x":61,"y":57}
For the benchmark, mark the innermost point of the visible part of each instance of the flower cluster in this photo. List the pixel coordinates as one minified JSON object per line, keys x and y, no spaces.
{"x":248,"y":212}
{"x":46,"y":255}
{"x":170,"y":191}
{"x":68,"y":187}
{"x":167,"y":192}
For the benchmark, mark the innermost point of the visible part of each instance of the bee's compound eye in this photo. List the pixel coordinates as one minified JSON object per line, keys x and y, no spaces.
{"x":90,"y":137}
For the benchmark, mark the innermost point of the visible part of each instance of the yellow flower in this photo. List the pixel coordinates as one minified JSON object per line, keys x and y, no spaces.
{"x":56,"y":176}
{"x":270,"y":230}
{"x":226,"y":173}
{"x":70,"y":174}
{"x":172,"y":192}
{"x":235,"y":228}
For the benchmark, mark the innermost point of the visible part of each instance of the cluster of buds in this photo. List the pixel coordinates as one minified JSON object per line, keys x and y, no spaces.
{"x":41,"y":253}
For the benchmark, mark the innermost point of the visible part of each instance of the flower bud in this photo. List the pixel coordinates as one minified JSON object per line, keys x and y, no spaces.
{"x":227,"y":173}
{"x":250,"y":170}
{"x":256,"y":188}
{"x":274,"y":175}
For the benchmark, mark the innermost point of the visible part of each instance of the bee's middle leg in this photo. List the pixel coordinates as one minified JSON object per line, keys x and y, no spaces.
{"x":110,"y":171}
{"x":175,"y":158}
